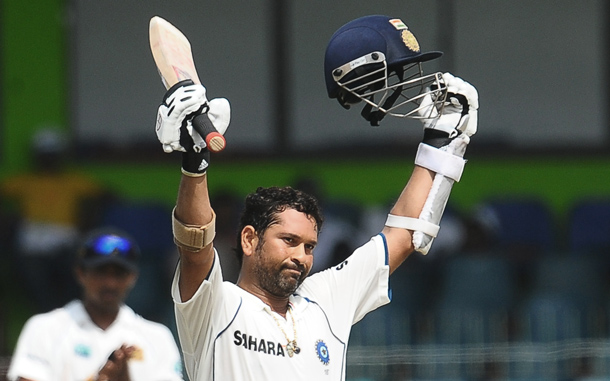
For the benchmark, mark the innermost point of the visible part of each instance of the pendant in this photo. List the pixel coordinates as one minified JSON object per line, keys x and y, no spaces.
{"x":292,"y":348}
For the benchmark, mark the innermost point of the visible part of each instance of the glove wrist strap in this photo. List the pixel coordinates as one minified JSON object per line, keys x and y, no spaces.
{"x":436,"y":138}
{"x":195,"y":164}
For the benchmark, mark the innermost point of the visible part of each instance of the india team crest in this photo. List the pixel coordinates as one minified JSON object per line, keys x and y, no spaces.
{"x":410,"y":41}
{"x":322,"y":352}
{"x":407,"y":37}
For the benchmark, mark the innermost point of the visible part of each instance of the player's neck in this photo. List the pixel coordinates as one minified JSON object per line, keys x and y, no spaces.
{"x":101,"y":317}
{"x":276,"y":303}
{"x":279,"y":307}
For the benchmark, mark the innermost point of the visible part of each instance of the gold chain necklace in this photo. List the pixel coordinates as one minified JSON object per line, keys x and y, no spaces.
{"x":291,"y":346}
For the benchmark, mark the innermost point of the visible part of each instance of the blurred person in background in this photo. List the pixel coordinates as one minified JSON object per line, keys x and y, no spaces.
{"x":98,"y":337}
{"x":229,"y":204}
{"x":44,"y":212}
{"x":341,"y":225}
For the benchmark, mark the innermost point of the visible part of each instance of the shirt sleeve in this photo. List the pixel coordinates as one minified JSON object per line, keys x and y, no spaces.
{"x":170,"y":363}
{"x":32,"y":356}
{"x":200,"y":319}
{"x":355,"y":287}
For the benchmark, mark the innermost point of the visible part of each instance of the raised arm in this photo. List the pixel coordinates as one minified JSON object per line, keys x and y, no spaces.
{"x":193,"y":219}
{"x":193,"y":211}
{"x":377,"y":61}
{"x":414,"y":220}
{"x":409,"y":204}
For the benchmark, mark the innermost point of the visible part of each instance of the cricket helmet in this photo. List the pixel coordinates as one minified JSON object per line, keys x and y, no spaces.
{"x":377,"y":59}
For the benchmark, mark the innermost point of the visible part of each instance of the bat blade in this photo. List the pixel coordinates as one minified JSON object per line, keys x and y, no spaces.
{"x":172,"y":53}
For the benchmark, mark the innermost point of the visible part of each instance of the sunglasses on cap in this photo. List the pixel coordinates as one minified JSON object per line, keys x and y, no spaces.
{"x":110,"y":248}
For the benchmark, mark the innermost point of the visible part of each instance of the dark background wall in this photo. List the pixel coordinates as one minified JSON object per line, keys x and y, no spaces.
{"x":540,"y":68}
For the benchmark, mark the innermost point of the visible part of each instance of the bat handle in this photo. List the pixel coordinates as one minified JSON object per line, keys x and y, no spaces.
{"x":214,"y":140}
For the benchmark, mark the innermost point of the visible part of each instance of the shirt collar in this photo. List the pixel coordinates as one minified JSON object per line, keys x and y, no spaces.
{"x":77,"y":311}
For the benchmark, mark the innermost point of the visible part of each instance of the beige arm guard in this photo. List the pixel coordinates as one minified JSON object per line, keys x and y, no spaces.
{"x":193,"y":237}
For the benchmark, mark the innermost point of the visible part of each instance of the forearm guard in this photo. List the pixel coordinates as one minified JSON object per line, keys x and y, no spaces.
{"x":448,"y":163}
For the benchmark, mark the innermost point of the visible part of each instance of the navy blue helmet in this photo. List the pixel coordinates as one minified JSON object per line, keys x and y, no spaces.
{"x":377,"y":59}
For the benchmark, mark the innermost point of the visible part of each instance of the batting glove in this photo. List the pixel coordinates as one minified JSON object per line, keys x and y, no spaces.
{"x":457,"y":115}
{"x":181,"y":103}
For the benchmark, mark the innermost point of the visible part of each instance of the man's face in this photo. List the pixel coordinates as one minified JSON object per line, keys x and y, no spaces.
{"x":284,"y":255}
{"x":106,"y":287}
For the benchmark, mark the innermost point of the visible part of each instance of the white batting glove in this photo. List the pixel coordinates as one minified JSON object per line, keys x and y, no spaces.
{"x":181,"y":103}
{"x":220,"y":114}
{"x":458,"y":114}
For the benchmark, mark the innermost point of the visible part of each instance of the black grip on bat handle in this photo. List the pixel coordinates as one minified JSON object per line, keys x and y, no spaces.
{"x":214,"y":140}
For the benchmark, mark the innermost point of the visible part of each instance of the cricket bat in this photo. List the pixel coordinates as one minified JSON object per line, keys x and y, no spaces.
{"x":174,"y":59}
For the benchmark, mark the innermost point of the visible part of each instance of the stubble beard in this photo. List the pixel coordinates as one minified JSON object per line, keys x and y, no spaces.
{"x":272,"y":279}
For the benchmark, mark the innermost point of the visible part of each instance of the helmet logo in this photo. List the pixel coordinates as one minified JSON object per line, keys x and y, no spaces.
{"x":410,"y":41}
{"x":407,"y":37}
{"x":398,"y":24}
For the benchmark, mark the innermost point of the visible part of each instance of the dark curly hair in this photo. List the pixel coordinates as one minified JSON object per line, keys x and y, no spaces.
{"x":262,"y":208}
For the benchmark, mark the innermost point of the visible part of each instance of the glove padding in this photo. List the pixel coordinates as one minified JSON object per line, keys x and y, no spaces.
{"x":457,"y":115}
{"x":181,"y":103}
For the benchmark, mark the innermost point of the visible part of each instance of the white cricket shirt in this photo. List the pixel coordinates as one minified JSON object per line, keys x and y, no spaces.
{"x":66,"y":345}
{"x":227,"y":333}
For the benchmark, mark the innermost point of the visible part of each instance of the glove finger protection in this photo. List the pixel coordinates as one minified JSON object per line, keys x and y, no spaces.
{"x":196,"y":162}
{"x":458,"y":114}
{"x":220,"y":114}
{"x":462,"y":98}
{"x":426,"y":110}
{"x":189,"y":139}
{"x":181,"y":103}
{"x":174,"y":128}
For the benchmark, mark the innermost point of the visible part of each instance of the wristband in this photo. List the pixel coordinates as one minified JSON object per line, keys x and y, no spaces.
{"x":195,"y":164}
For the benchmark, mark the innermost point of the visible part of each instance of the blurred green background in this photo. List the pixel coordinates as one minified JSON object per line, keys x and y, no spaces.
{"x":34,"y":93}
